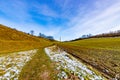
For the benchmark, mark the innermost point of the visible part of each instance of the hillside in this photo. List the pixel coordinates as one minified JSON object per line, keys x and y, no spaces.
{"x":101,"y":53}
{"x":13,"y":40}
{"x":23,"y":53}
{"x":7,"y":33}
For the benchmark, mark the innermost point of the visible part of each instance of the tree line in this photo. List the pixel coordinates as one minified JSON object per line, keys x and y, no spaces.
{"x":42,"y":35}
{"x":109,"y":34}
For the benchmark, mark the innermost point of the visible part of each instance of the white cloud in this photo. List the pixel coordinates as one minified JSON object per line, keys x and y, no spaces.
{"x":45,"y":10}
{"x":96,"y":21}
{"x":15,"y":9}
{"x":91,"y":17}
{"x":27,"y":27}
{"x":19,"y":10}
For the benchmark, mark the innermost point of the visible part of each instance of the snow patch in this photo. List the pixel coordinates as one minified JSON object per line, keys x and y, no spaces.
{"x":12,"y":64}
{"x":70,"y":66}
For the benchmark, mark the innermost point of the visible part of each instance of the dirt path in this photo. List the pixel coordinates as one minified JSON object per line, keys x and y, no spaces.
{"x":69,"y":67}
{"x":12,"y":64}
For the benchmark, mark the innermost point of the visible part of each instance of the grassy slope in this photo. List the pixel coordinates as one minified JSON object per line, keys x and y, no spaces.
{"x":102,"y":53}
{"x":40,"y":66}
{"x":12,"y":40}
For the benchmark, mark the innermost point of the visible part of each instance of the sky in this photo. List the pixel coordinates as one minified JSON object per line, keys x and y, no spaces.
{"x":68,"y":19}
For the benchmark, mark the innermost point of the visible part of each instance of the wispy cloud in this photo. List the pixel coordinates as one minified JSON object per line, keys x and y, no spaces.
{"x":45,"y":10}
{"x":68,"y":8}
{"x":15,"y":9}
{"x":16,"y":14}
{"x":66,"y":18}
{"x":32,"y":26}
{"x":101,"y":19}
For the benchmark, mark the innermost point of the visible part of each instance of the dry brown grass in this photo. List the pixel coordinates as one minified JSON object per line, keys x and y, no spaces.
{"x":45,"y":75}
{"x":39,"y":68}
{"x":7,"y":33}
{"x":12,"y":40}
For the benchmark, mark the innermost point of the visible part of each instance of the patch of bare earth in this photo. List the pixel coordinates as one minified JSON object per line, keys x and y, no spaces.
{"x":45,"y":75}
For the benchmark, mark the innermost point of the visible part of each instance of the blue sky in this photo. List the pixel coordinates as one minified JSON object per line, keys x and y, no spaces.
{"x":66,"y":18}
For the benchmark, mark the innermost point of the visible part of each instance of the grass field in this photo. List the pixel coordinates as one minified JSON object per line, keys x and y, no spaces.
{"x":12,"y":40}
{"x":101,"y":53}
{"x":39,"y":67}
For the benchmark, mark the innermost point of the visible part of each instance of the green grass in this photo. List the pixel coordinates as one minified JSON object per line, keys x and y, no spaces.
{"x":101,"y":43}
{"x":102,"y":53}
{"x":39,"y":68}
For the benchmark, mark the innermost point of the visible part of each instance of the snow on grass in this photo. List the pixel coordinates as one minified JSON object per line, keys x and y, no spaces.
{"x":12,"y":64}
{"x":70,"y":67}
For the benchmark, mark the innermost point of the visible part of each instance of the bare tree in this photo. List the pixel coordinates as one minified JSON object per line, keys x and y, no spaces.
{"x":32,"y":32}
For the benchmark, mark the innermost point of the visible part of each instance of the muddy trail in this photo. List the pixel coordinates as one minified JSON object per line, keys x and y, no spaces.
{"x":71,"y":68}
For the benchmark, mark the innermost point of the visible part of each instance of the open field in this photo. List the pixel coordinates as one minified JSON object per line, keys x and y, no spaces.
{"x":39,"y":68}
{"x":12,"y":41}
{"x":71,"y":68}
{"x":102,"y":53}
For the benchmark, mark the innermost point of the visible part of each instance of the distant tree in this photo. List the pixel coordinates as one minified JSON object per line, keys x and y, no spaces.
{"x":89,"y":35}
{"x":28,"y":33}
{"x":86,"y":36}
{"x":83,"y":36}
{"x":40,"y":34}
{"x":110,"y":34}
{"x":32,"y":32}
{"x":50,"y":37}
{"x":44,"y":36}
